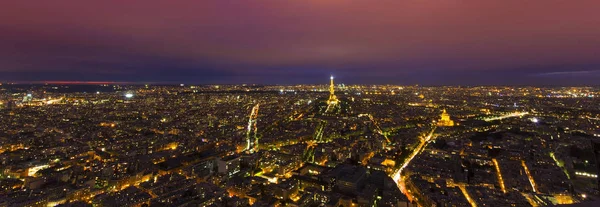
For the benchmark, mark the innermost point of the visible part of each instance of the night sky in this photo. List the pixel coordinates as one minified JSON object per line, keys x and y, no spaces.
{"x":424,"y":42}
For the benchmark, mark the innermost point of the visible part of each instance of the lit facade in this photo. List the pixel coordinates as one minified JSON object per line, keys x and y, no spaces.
{"x":445,"y":120}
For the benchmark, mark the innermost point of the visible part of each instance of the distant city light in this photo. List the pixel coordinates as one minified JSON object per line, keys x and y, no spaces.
{"x":97,"y":92}
{"x":29,"y":95}
{"x":331,"y":77}
{"x":129,"y":95}
{"x":535,"y":120}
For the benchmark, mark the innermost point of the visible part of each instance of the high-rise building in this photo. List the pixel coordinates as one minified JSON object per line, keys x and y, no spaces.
{"x":229,"y":165}
{"x":28,"y":98}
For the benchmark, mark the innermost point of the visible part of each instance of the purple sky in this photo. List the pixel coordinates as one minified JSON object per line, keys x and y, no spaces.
{"x":427,"y":42}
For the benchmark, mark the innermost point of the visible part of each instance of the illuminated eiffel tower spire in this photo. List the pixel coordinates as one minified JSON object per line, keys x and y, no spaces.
{"x":332,"y":98}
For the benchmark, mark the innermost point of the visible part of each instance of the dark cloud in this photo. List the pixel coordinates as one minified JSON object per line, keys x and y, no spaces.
{"x":285,"y":42}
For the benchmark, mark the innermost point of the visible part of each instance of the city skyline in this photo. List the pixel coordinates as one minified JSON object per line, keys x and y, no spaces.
{"x":299,"y":145}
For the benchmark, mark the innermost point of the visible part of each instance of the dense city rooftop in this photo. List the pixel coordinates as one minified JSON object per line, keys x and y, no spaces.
{"x":300,"y":145}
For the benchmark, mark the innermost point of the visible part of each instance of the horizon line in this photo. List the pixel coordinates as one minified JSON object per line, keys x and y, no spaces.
{"x":189,"y":83}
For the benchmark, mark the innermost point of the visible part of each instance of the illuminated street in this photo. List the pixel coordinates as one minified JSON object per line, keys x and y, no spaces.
{"x":397,"y":176}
